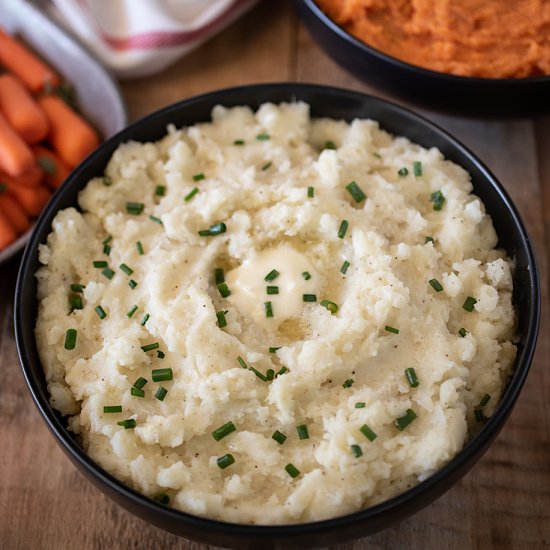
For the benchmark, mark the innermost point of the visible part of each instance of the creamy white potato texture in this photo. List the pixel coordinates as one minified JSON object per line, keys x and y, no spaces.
{"x":370,"y":324}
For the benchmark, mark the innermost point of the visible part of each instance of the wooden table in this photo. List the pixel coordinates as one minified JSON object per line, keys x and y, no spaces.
{"x":504,"y":502}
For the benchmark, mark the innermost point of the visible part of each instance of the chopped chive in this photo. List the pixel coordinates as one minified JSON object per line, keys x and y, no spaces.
{"x":417,"y":168}
{"x":156,"y":220}
{"x":377,"y":155}
{"x":238,"y":142}
{"x":106,"y":249}
{"x":428,"y":239}
{"x":70,"y":339}
{"x":162,"y":375}
{"x":137,"y":392}
{"x":225,"y":461}
{"x":412,"y":379}
{"x":100,"y":312}
{"x":263,"y":137}
{"x":343,"y":229}
{"x":242,"y":362}
{"x":145,"y":319}
{"x":222,"y":321}
{"x":484,"y":400}
{"x":356,"y":192}
{"x":306,"y":275}
{"x":367,"y":432}
{"x":108,"y":272}
{"x":108,"y":409}
{"x":139,"y":247}
{"x":360,"y":405}
{"x":436,"y":285}
{"x":356,"y":451}
{"x":438,"y":200}
{"x":132,"y":284}
{"x":219,"y":276}
{"x":282,"y":371}
{"x":310,"y":192}
{"x":160,"y":354}
{"x":272,"y":289}
{"x":160,"y":191}
{"x":403,"y":421}
{"x":191,"y":194}
{"x":268,"y":309}
{"x":479,"y":416}
{"x":161,"y":393}
{"x":309,"y":297}
{"x":291,"y":470}
{"x":150,"y":347}
{"x":224,"y":431}
{"x":198,"y":177}
{"x":303,"y":432}
{"x":391,"y":329}
{"x":127,"y":424}
{"x":279,"y":437}
{"x":163,"y":498}
{"x":100,"y":264}
{"x":140,"y":382}
{"x":135,"y":208}
{"x":126,"y":269}
{"x":261,"y":376}
{"x":329,"y":145}
{"x":331,"y":306}
{"x":133,"y":309}
{"x":75,"y":287}
{"x":107,"y":181}
{"x":469,"y":304}
{"x":107,"y":239}
{"x":215,"y":229}
{"x":348,"y":383}
{"x":266,"y":166}
{"x":270,"y":374}
{"x":224,"y":291}
{"x":344,"y":267}
{"x":462,"y":331}
{"x":403,"y":172}
{"x":75,"y":302}
{"x":274,"y":349}
{"x":272,"y":275}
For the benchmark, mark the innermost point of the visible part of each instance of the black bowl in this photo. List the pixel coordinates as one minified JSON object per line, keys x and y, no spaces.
{"x":328,"y":102}
{"x":440,"y":91}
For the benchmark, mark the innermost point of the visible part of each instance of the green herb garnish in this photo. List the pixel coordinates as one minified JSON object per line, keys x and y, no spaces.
{"x":223,"y":431}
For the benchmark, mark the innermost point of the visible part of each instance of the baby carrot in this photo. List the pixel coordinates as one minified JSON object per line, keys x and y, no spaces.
{"x":21,"y":110}
{"x":7,"y":232}
{"x":31,"y":199}
{"x":71,"y":136}
{"x":14,"y":213}
{"x":23,"y":63}
{"x":15,"y":156}
{"x":31,"y":178}
{"x":55,"y":170}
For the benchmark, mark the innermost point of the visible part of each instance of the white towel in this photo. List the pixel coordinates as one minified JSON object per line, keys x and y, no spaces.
{"x":140,"y":37}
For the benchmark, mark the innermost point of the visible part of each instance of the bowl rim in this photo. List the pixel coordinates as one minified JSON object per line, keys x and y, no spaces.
{"x":316,"y":10}
{"x":266,"y":531}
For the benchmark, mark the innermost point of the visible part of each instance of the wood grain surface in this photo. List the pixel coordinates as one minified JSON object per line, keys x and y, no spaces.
{"x":504,"y":502}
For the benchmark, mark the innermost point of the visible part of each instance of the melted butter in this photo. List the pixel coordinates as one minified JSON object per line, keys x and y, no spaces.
{"x":249,"y":287}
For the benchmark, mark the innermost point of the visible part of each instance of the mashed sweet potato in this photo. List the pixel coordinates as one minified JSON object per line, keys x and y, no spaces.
{"x":482,"y":38}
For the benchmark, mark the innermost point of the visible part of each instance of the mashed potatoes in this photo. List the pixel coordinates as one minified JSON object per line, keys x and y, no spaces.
{"x":283,"y":345}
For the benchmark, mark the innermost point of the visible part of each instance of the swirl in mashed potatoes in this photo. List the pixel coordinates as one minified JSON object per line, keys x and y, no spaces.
{"x":284,"y":345}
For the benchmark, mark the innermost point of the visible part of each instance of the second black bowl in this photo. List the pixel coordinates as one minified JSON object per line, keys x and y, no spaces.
{"x":440,"y":91}
{"x":324,"y":102}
